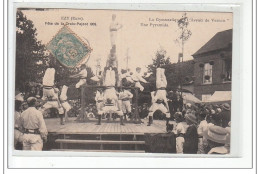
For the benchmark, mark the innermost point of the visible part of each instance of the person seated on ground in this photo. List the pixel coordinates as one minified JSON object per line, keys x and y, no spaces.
{"x":190,"y":145}
{"x":218,"y":139}
{"x":82,"y":75}
{"x":179,"y":131}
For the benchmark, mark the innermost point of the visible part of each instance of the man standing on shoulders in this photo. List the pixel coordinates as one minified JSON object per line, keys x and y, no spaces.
{"x":33,"y":126}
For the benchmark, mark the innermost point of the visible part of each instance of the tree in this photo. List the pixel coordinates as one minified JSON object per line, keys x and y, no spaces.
{"x":31,"y":57}
{"x":159,"y":60}
{"x":185,"y":34}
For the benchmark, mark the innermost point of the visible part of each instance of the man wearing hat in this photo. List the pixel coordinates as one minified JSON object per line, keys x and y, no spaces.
{"x":33,"y":126}
{"x":190,"y":145}
{"x":218,"y":139}
{"x":225,"y":115}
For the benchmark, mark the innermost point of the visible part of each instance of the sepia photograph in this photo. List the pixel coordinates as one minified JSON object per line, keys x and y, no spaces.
{"x":122,"y":81}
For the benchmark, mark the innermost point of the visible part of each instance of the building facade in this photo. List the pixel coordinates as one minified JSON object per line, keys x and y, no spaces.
{"x":213,"y":66}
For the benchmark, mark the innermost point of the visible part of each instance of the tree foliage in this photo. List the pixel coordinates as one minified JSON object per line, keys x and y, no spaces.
{"x":31,"y":58}
{"x":161,"y":60}
{"x":183,"y":24}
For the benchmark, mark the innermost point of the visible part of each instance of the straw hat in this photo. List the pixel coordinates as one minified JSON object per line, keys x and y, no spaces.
{"x":217,"y":134}
{"x":226,"y":106}
{"x":31,"y":99}
{"x":191,"y":117}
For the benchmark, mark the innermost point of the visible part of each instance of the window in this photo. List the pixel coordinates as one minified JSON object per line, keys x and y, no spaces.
{"x":227,"y":70}
{"x":205,"y":97}
{"x":207,"y":76}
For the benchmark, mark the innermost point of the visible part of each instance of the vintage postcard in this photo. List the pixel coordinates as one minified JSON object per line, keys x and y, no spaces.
{"x":123,"y":81}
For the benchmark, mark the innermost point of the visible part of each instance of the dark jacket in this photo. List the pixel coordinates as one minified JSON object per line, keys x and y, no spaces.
{"x":190,"y":145}
{"x":225,"y":117}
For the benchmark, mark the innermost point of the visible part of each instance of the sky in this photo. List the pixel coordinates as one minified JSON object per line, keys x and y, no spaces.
{"x":141,"y":41}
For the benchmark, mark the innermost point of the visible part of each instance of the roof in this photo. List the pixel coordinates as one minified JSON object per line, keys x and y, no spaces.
{"x":220,"y":96}
{"x":219,"y":41}
{"x":189,"y":98}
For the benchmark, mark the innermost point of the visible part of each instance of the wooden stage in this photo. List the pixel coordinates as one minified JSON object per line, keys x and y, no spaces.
{"x":109,"y":136}
{"x":111,"y":127}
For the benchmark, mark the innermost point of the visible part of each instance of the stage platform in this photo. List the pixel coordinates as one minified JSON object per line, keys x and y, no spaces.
{"x":109,"y":136}
{"x":111,"y":127}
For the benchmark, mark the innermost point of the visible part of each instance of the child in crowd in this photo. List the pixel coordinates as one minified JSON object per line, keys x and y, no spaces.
{"x":179,"y":131}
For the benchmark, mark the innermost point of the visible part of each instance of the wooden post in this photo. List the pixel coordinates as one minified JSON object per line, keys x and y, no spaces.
{"x":83,"y":105}
{"x":137,"y":119}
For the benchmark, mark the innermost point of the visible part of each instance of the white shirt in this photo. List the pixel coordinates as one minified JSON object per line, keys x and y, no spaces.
{"x":63,"y":95}
{"x":19,"y":97}
{"x":138,"y":77}
{"x":125,"y":95}
{"x":17,"y":119}
{"x":219,"y":150}
{"x":99,"y":96}
{"x":202,"y":127}
{"x":179,"y":128}
{"x":49,"y":76}
{"x":31,"y":118}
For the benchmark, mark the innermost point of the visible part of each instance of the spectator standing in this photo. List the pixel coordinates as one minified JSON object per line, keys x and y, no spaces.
{"x":225,"y":115}
{"x":190,"y":145}
{"x":202,"y":144}
{"x":218,"y":139}
{"x":33,"y":125}
{"x":179,"y":131}
{"x":17,"y":122}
